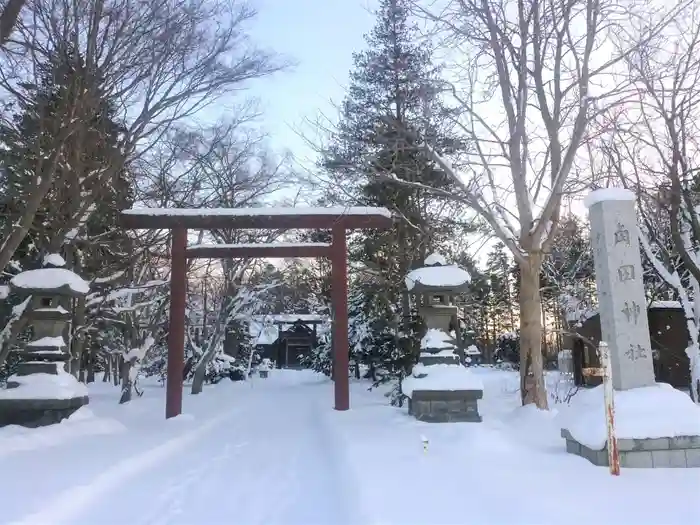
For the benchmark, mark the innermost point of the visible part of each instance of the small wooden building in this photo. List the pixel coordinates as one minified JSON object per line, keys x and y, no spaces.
{"x":287,"y":339}
{"x":669,"y":339}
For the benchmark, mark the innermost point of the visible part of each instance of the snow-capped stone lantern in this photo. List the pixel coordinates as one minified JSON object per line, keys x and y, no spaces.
{"x":41,"y":392}
{"x":441,"y":388}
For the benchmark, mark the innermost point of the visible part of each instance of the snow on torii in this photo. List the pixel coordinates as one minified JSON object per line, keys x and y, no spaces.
{"x":179,"y":220}
{"x":353,"y":217}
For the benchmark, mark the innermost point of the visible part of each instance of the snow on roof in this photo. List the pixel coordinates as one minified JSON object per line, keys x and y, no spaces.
{"x":641,"y":413}
{"x":608,"y":194}
{"x":435,"y":259}
{"x":472,"y":350}
{"x":261,"y":245}
{"x":291,"y":318}
{"x":264,"y":330}
{"x":50,"y":279}
{"x":57,"y":309}
{"x":435,"y":339}
{"x":257,"y":212}
{"x":441,"y":377}
{"x":665,"y":304}
{"x":54,"y":259}
{"x":48,"y":342}
{"x":450,"y":276}
{"x":266,"y":334}
{"x":587,"y":313}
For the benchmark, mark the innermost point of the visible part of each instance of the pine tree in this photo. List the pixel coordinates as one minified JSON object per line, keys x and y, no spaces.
{"x":498,"y":266}
{"x":478,"y":309}
{"x":67,"y":96}
{"x":393,"y":102}
{"x":67,"y":115}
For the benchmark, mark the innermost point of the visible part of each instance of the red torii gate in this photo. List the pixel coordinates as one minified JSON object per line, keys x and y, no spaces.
{"x":338,"y":220}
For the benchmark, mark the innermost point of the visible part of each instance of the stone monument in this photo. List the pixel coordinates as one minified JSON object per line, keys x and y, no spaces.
{"x":625,"y":328}
{"x":621,"y":300}
{"x":440,"y":388}
{"x":41,"y":392}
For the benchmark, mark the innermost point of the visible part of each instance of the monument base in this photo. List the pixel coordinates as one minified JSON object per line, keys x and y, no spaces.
{"x":656,"y":426}
{"x":667,"y":452}
{"x":443,"y":393}
{"x":41,"y":399}
{"x":445,"y":406}
{"x":35,"y":413}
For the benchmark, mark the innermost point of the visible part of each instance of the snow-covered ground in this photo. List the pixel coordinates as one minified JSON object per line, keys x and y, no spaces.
{"x":274,"y":452}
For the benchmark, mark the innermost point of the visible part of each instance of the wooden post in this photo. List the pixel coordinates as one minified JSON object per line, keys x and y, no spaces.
{"x":613,"y":452}
{"x":339,"y":279}
{"x":176,"y":326}
{"x":605,"y":371}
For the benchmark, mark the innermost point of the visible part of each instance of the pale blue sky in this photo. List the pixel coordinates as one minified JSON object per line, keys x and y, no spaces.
{"x":320,"y":35}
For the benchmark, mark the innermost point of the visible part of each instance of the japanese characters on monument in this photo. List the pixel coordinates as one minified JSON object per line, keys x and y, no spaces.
{"x":622,"y":306}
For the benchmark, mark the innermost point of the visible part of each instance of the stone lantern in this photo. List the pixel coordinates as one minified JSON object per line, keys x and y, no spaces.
{"x":434,"y":286}
{"x":41,"y":391}
{"x":441,"y":388}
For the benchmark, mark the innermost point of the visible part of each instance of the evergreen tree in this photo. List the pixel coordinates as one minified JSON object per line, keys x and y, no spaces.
{"x":477,"y":312}
{"x":568,"y":277}
{"x":392,"y":105}
{"x":498,"y":266}
{"x":68,"y":102}
{"x":65,"y":128}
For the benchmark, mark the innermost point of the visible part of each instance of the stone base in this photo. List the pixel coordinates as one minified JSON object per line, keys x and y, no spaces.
{"x":37,"y":367}
{"x":445,"y":406}
{"x":34,"y":413}
{"x":674,"y":452}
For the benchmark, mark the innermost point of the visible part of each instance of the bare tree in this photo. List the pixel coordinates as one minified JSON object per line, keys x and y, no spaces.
{"x":239,"y":306}
{"x":159,"y":63}
{"x":532,"y":77}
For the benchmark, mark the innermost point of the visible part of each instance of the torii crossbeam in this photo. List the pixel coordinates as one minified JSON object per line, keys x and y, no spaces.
{"x":338,"y":220}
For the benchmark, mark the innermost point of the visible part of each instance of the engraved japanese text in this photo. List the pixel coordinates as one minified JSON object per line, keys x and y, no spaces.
{"x":636,"y":352}
{"x":626,"y":273}
{"x":632,"y":311}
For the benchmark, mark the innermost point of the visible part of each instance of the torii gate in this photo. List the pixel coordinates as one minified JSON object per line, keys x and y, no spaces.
{"x":338,"y":220}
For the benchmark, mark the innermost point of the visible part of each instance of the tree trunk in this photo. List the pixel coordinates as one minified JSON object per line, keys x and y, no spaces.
{"x":127,"y":384}
{"x":532,"y":385}
{"x":115,"y":370}
{"x":108,"y":369}
{"x":199,"y":375}
{"x":8,"y":19}
{"x":78,"y":336}
{"x":201,"y":367}
{"x":544,"y":329}
{"x":92,"y":357}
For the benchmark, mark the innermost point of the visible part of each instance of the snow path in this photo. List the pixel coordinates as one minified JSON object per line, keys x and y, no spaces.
{"x":274,"y":452}
{"x":265,"y":462}
{"x":70,"y":503}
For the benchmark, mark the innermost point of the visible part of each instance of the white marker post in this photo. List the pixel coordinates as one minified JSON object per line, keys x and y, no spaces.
{"x":609,"y":399}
